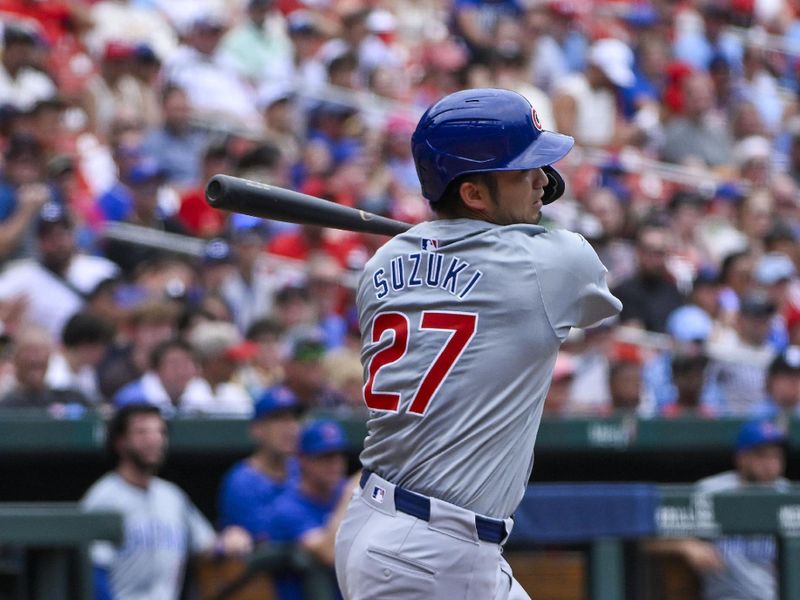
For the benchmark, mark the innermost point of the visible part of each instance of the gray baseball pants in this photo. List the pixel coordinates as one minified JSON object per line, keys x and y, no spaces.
{"x":385,"y":554}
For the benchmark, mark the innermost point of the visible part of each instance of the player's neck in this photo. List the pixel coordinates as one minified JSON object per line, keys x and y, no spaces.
{"x":269,"y":463}
{"x":318,"y":492}
{"x":135,"y":476}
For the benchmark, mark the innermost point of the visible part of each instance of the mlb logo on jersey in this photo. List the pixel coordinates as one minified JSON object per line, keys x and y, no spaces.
{"x":428,"y":244}
{"x":378,"y":493}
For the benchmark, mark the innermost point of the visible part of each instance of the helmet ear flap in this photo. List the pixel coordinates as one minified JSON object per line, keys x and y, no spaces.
{"x":555,"y":186}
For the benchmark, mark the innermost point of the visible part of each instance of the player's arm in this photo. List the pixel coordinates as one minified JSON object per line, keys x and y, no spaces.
{"x":574,"y":287}
{"x":701,"y":555}
{"x":321,"y":541}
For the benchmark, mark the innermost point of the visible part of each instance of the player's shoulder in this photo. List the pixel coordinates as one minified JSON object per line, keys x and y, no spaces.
{"x":721,"y":482}
{"x":163,"y":487}
{"x":106,"y":491}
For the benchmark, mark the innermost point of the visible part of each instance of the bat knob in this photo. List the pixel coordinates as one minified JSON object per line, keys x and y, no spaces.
{"x":214,"y":190}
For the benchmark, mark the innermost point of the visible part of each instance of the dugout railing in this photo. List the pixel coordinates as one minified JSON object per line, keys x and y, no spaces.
{"x":51,"y":541}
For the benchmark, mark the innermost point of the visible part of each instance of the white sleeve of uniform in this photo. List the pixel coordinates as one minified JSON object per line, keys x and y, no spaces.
{"x":572,"y":281}
{"x":201,"y":533}
{"x":102,"y":553}
{"x":11,"y":282}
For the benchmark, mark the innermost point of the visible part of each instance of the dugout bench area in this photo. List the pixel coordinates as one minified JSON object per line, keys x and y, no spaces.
{"x":572,"y":540}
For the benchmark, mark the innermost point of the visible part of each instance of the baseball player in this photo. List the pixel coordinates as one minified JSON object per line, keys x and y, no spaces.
{"x":461,"y":319}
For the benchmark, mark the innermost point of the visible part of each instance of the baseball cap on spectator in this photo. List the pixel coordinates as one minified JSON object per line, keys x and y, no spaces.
{"x":333,"y":109}
{"x":705,"y":276}
{"x":381,"y":21}
{"x":276,"y":400}
{"x":272,"y":93}
{"x":322,"y":436}
{"x":291,"y":292}
{"x":686,"y":198}
{"x":754,"y":147}
{"x":50,"y":215}
{"x":689,"y":323}
{"x":21,"y":33}
{"x":730,"y":192}
{"x":780,"y":232}
{"x":307,"y":344}
{"x":217,"y":251}
{"x":59,"y":165}
{"x":147,"y":169}
{"x":144,"y":53}
{"x":757,"y":304}
{"x":774,"y":268}
{"x":302,"y":22}
{"x":755,"y":434}
{"x":208,"y":19}
{"x":118,"y":50}
{"x":220,"y":339}
{"x":615,"y":59}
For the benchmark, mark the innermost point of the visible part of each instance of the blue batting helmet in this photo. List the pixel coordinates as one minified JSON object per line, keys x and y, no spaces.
{"x":478,"y":131}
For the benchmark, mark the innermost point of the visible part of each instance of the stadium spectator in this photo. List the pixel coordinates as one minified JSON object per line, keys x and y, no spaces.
{"x":738,"y":566}
{"x":294,"y":307}
{"x":130,"y":22}
{"x":172,"y":383}
{"x":22,"y":194}
{"x":85,"y":340}
{"x":345,"y":375}
{"x":688,"y":377}
{"x":303,"y":513}
{"x":220,"y":350}
{"x":557,"y":402}
{"x":735,"y":379}
{"x":610,"y":241}
{"x":736,"y":278}
{"x":174,"y":144}
{"x":585,"y":104}
{"x":250,"y":288}
{"x":195,"y":214}
{"x":56,"y":284}
{"x":197,"y":68}
{"x":304,"y":370}
{"x":113,"y":93}
{"x":144,"y":181}
{"x":265,"y":370}
{"x":782,"y":399}
{"x":146,"y":326}
{"x":22,"y":82}
{"x":32,"y":350}
{"x":651,"y":294}
{"x":697,"y":135}
{"x":258,"y":48}
{"x":278,"y":106}
{"x":625,"y":386}
{"x":163,"y":529}
{"x":478,"y":22}
{"x":250,"y":487}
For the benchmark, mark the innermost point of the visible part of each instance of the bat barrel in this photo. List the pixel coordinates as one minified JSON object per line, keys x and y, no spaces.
{"x":270,"y":202}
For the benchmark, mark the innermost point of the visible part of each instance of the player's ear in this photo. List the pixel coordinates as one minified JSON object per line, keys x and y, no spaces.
{"x":475,"y":195}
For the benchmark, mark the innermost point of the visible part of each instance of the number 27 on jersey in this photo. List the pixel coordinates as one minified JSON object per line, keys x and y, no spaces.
{"x":462,"y":327}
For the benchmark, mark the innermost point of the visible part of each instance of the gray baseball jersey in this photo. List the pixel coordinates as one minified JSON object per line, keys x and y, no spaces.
{"x":751,"y":570}
{"x":461,"y":322}
{"x":161,"y":526}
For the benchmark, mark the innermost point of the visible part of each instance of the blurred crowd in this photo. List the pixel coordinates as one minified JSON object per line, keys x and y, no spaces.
{"x":120,"y":284}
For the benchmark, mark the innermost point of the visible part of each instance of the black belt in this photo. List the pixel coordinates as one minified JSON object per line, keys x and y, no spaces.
{"x":417,"y":505}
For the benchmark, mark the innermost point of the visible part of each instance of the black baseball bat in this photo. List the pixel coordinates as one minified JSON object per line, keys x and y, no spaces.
{"x":271,"y":202}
